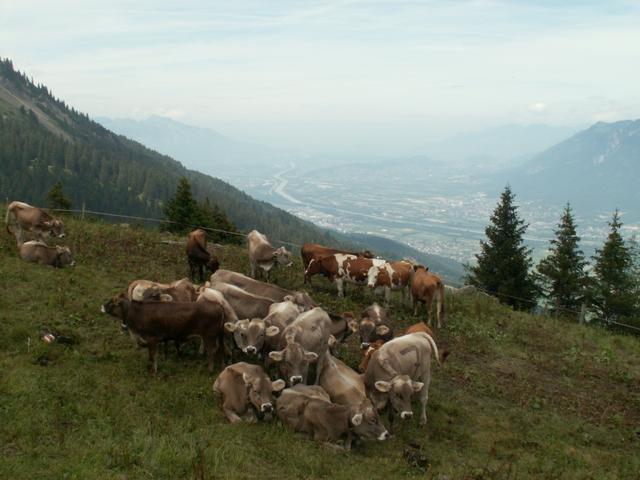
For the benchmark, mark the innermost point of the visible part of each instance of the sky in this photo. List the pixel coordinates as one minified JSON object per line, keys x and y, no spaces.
{"x":331,"y":76}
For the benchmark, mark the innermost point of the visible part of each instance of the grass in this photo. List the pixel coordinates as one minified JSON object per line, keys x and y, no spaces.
{"x":519,"y":397}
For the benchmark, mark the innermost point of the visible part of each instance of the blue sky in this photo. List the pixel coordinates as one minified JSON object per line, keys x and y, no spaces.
{"x":386,"y":76}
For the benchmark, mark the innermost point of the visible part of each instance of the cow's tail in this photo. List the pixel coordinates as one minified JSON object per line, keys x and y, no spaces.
{"x":7,"y":217}
{"x":434,"y":349}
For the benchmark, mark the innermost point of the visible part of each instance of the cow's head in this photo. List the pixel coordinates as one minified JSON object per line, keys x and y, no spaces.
{"x":117,"y":307}
{"x":417,"y":267}
{"x":64,"y":257}
{"x":399,"y":392}
{"x":283,"y":257}
{"x":365,"y":422}
{"x":293,"y":362}
{"x":260,"y":390}
{"x":301,"y":299}
{"x":55,"y":228}
{"x":314,"y":268}
{"x":367,"y":254}
{"x":370,"y":332}
{"x":249,"y":335}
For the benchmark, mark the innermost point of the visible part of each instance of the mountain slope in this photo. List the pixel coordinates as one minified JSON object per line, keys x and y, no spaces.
{"x":42,"y":140}
{"x":596,"y":169}
{"x":198,"y":148}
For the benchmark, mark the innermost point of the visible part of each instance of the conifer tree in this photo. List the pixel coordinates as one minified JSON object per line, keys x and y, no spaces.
{"x":57,"y":199}
{"x":562,"y":271}
{"x":213,"y":217}
{"x":613,"y":292}
{"x":182,"y":209}
{"x":503,"y":264}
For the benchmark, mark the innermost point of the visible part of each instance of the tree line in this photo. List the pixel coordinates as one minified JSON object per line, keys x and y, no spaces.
{"x":565,"y":283}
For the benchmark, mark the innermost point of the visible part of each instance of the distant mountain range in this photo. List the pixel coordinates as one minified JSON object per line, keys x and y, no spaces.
{"x":597,"y":169}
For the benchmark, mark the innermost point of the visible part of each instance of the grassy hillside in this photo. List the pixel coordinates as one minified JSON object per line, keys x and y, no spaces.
{"x":520,"y":396}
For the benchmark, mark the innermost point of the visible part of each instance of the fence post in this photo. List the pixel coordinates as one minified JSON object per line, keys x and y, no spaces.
{"x":583,"y":311}
{"x":82,"y":215}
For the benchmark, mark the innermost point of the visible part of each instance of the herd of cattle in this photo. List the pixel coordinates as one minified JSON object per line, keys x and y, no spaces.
{"x":280,"y":333}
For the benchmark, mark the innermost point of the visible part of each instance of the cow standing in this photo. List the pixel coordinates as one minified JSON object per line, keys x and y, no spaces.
{"x":24,"y":217}
{"x":264,"y":255}
{"x":426,"y":287}
{"x":398,"y":371}
{"x":156,"y":322}
{"x":340,"y":268}
{"x":391,"y":276}
{"x":311,"y":251}
{"x":198,"y":256}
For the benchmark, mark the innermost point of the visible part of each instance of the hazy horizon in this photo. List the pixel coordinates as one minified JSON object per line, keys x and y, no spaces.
{"x":341,"y":76}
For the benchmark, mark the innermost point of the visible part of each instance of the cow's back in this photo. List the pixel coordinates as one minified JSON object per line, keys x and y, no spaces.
{"x":406,"y":355}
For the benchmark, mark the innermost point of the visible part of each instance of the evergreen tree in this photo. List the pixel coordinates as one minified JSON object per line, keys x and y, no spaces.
{"x":503,"y":264}
{"x":213,"y":217}
{"x":562,"y":271}
{"x":182,"y":209}
{"x":57,"y":199}
{"x":613,"y":294}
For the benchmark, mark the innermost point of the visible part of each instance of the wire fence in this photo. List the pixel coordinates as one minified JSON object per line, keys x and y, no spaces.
{"x":501,"y":296}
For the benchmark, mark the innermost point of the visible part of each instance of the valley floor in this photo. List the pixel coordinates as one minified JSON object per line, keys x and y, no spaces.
{"x":519,"y":397}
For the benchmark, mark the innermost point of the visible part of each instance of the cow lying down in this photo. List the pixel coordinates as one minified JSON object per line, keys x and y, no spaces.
{"x":247,"y":392}
{"x":39,"y":252}
{"x":307,"y":409}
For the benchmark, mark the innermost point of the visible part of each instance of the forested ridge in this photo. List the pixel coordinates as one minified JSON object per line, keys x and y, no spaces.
{"x":42,"y":141}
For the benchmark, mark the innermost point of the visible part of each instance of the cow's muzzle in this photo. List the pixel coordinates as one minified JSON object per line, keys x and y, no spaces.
{"x":384,"y":435}
{"x":72,"y":264}
{"x":62,"y":235}
{"x":296,"y":379}
{"x":266,"y":407}
{"x":102,"y":309}
{"x":364,"y":345}
{"x":406,"y":415}
{"x":251,"y":350}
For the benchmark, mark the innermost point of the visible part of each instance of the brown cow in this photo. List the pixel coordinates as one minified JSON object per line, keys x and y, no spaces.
{"x":316,"y":251}
{"x":425,"y":287}
{"x":179,"y":291}
{"x":246,"y":391}
{"x":198,"y":256}
{"x":32,"y":219}
{"x":155,"y":322}
{"x":40,"y":252}
{"x":374,"y":324}
{"x":340,"y":268}
{"x":263,"y":255}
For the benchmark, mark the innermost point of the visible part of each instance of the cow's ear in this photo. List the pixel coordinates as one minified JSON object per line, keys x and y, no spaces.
{"x":332,"y":340}
{"x":310,"y":356}
{"x":288,"y":298}
{"x":246,"y":379}
{"x":382,"y":330}
{"x":276,"y":356}
{"x":347,"y":315}
{"x":417,"y":386}
{"x":277,"y":385}
{"x":230,"y":327}
{"x":382,"y":386}
{"x":353,"y":325}
{"x":207,"y":284}
{"x":272,"y":331}
{"x":357,"y":419}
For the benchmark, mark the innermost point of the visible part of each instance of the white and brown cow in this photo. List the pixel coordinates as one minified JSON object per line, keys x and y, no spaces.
{"x":310,"y":251}
{"x":399,"y":370}
{"x":25,"y":218}
{"x":247,"y":392}
{"x":264,"y":255}
{"x":340,"y":268}
{"x":391,"y":276}
{"x":263,"y":289}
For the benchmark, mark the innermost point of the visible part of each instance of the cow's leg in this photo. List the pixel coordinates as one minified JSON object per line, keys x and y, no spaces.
{"x":424,"y":398}
{"x":210,"y":346}
{"x":340,"y":286}
{"x":429,"y":306}
{"x":387,"y":296}
{"x":392,"y":418}
{"x":253,"y":269}
{"x":319,"y":367}
{"x":415,"y":306}
{"x":231,"y":415}
{"x":152,"y":345}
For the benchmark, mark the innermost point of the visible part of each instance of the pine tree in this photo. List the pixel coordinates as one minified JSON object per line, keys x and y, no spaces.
{"x":213,"y":217}
{"x":613,"y":292}
{"x":182,"y":209}
{"x":57,"y":199}
{"x":503,"y":264}
{"x":562,"y":271}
